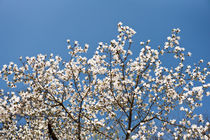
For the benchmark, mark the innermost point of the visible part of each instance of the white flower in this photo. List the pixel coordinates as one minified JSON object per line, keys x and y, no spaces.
{"x":169,"y":38}
{"x":17,"y":99}
{"x":166,"y":47}
{"x":69,"y":46}
{"x":206,"y":85}
{"x":134,"y":137}
{"x":120,"y":24}
{"x":141,"y":43}
{"x":182,"y":108}
{"x":100,"y":43}
{"x":20,"y":57}
{"x":86,"y":46}
{"x":194,"y":126}
{"x":173,"y":121}
{"x":160,"y":134}
{"x":75,"y":42}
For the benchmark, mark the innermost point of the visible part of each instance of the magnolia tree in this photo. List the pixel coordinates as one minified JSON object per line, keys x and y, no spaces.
{"x":112,"y":95}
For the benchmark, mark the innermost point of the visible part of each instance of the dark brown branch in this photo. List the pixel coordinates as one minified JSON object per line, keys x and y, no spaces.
{"x":50,"y":131}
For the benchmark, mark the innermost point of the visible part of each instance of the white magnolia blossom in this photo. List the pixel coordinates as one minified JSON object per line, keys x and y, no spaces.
{"x":124,"y":91}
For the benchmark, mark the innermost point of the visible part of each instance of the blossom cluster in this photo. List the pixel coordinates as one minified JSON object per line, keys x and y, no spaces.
{"x":112,"y":95}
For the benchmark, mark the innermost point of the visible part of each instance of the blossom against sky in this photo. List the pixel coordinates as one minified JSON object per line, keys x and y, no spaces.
{"x":32,"y":27}
{"x":28,"y":28}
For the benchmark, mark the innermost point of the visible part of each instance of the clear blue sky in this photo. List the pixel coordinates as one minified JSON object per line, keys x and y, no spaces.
{"x":30,"y":27}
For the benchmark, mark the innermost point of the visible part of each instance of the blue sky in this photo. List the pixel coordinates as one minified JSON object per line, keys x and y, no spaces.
{"x":28,"y":27}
